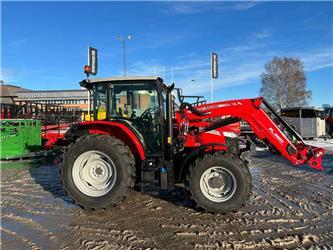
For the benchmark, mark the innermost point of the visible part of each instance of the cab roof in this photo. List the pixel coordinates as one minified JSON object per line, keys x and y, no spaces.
{"x":88,"y":83}
{"x":125,"y":78}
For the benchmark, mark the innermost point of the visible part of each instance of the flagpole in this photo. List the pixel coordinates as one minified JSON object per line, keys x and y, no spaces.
{"x":172,"y":74}
{"x":211,"y":89}
{"x":211,"y":78}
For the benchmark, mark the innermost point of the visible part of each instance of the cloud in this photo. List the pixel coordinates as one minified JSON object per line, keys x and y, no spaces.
{"x":145,"y":68}
{"x":185,"y":8}
{"x":193,"y":7}
{"x":230,"y":74}
{"x":9,"y":76}
{"x":310,"y":20}
{"x":245,"y":5}
{"x":262,"y":34}
{"x":317,"y":59}
{"x":19,"y":43}
{"x":14,"y":76}
{"x":193,"y":67}
{"x":158,"y":40}
{"x":238,"y":65}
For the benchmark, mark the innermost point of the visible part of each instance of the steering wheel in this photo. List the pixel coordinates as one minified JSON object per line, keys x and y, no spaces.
{"x":146,"y":116}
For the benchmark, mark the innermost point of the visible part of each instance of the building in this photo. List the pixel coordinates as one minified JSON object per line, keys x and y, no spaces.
{"x":309,"y":122}
{"x":67,"y":98}
{"x":77,"y":98}
{"x":8,"y":93}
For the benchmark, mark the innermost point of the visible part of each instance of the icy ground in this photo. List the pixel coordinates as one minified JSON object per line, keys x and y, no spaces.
{"x":289,"y":208}
{"x":321,"y":142}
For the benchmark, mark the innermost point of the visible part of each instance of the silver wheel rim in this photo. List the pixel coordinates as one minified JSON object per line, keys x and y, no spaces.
{"x":218,"y":184}
{"x":94,"y":173}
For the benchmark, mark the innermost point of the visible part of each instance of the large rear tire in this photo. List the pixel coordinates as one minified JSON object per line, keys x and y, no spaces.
{"x":98,"y":171}
{"x":219,"y":182}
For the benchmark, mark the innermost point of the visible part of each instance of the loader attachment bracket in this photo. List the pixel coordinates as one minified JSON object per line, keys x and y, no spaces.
{"x":312,"y":155}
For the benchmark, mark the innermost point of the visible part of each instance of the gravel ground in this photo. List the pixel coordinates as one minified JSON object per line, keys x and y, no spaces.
{"x":290,"y":208}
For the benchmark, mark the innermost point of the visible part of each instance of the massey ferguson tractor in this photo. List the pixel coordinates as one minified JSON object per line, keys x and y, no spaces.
{"x":149,"y":137}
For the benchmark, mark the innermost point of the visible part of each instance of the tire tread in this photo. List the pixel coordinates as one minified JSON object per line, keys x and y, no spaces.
{"x":218,"y":155}
{"x":121,"y":148}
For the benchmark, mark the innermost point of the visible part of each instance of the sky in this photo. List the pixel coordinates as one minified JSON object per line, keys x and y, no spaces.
{"x":44,"y":44}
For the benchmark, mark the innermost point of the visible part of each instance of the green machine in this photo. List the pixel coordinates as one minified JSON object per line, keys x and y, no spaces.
{"x":19,"y":137}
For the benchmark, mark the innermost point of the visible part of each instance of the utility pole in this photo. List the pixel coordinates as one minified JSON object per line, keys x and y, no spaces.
{"x":211,"y":89}
{"x":172,"y":74}
{"x":123,"y":40}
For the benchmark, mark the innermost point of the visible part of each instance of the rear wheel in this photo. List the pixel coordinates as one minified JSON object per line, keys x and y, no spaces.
{"x":98,"y":171}
{"x":219,"y":182}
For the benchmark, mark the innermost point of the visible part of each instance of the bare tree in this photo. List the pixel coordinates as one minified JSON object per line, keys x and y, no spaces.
{"x":284,"y":83}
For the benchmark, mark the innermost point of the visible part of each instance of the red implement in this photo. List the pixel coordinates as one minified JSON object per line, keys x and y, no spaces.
{"x":257,"y":113}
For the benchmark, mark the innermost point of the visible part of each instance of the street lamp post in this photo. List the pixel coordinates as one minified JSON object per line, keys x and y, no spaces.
{"x":123,"y":40}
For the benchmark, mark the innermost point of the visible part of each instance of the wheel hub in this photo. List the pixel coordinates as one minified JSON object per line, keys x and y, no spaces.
{"x":218,"y":184}
{"x":94,"y":173}
{"x":98,"y":171}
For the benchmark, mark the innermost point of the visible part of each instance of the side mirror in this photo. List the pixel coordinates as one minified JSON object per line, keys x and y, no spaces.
{"x":171,"y":87}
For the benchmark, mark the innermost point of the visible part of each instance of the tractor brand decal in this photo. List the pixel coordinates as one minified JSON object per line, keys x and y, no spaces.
{"x":225,"y":116}
{"x":204,"y":108}
{"x":229,"y":104}
{"x":213,"y":132}
{"x":230,"y":134}
{"x":222,"y":105}
{"x":276,"y":135}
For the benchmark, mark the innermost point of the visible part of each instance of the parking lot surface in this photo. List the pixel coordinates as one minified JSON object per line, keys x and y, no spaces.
{"x":290,"y":207}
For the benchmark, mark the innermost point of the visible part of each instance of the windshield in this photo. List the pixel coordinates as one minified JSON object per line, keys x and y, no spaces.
{"x":131,"y":101}
{"x":124,"y":100}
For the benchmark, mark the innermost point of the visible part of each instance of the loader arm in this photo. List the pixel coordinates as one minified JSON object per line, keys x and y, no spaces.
{"x":256,"y":113}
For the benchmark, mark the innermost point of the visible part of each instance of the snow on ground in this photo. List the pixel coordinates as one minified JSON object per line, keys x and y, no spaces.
{"x":321,"y":142}
{"x":290,"y":207}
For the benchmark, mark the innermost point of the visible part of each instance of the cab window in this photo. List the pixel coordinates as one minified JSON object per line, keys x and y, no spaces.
{"x":132,"y":100}
{"x":100,"y":102}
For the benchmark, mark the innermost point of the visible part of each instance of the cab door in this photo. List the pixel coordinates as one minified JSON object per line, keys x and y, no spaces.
{"x":139,"y":105}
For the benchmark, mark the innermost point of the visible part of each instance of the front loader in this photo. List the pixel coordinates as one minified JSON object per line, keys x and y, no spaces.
{"x":147,"y":137}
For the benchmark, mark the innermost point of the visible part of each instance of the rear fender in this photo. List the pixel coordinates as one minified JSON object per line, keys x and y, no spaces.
{"x":116,"y":129}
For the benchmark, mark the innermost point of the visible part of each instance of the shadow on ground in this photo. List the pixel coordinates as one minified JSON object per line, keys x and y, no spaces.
{"x":46,"y":174}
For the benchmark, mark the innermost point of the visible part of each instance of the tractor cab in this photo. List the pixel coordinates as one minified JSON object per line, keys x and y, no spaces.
{"x":135,"y":101}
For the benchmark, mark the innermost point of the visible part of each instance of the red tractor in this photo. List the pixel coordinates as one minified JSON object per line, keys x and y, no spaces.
{"x":148,"y":137}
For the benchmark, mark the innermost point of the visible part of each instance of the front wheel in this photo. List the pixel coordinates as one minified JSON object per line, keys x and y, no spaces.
{"x":98,"y":171}
{"x":219,"y":182}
